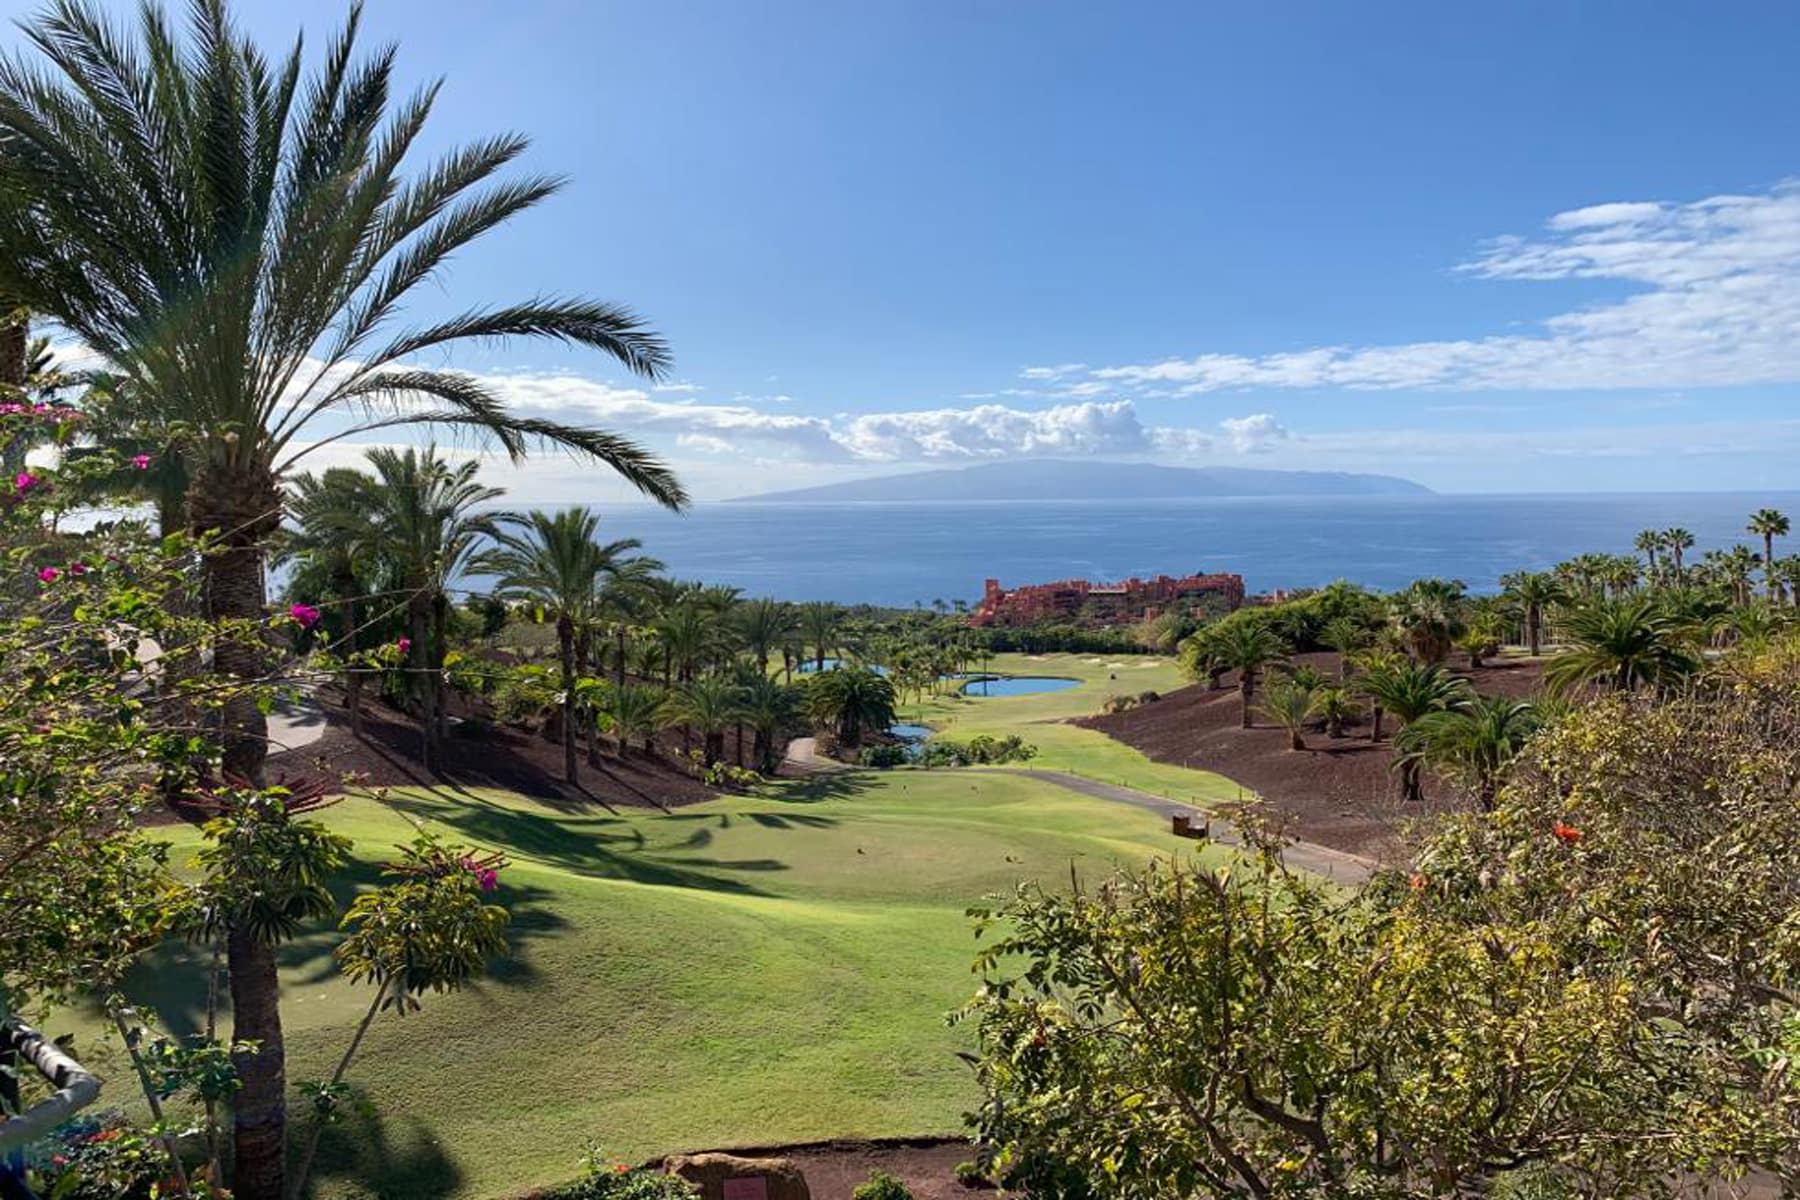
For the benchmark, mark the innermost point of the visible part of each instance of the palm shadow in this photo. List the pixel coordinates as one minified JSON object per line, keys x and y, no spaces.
{"x":396,"y":1158}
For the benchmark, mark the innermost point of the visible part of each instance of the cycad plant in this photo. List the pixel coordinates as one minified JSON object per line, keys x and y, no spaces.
{"x":1409,"y":691}
{"x":1622,"y":644}
{"x":708,"y":706}
{"x":1290,"y":704}
{"x":635,"y":711}
{"x":1474,"y":741}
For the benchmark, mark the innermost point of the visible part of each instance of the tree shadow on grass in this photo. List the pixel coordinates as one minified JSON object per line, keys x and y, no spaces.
{"x":392,"y":1156}
{"x":819,"y":787}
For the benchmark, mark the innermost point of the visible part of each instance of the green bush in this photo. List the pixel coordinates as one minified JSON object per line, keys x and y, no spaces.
{"x":972,"y":1174}
{"x":881,"y":1186}
{"x":607,"y":1179}
{"x":884,"y":757}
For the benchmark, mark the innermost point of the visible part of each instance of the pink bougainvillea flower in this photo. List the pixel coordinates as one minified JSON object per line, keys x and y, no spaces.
{"x":1568,"y":835}
{"x":404,"y":646}
{"x":48,"y":574}
{"x":78,"y":568}
{"x":489,"y":879}
{"x":24,"y":481}
{"x":305,"y":614}
{"x":141,"y":461}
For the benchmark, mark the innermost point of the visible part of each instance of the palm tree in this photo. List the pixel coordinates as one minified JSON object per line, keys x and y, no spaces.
{"x":850,"y":701}
{"x":1534,"y":592}
{"x":1247,"y":647}
{"x":635,"y":710}
{"x":1647,"y":543}
{"x":1409,"y":690}
{"x":690,"y":636}
{"x":241,"y":265}
{"x":1676,"y":541}
{"x":1474,"y":741}
{"x":1769,"y":524}
{"x":557,"y":562}
{"x":1345,"y":636}
{"x":332,"y":538}
{"x":1623,"y":644}
{"x":1336,"y":705}
{"x":819,"y":629}
{"x":764,"y":624}
{"x":1429,"y":613}
{"x":768,"y":705}
{"x":708,"y":706}
{"x":1289,"y":703}
{"x":426,"y":515}
{"x":625,"y":593}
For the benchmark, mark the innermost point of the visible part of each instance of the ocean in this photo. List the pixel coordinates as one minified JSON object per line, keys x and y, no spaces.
{"x":902,"y":554}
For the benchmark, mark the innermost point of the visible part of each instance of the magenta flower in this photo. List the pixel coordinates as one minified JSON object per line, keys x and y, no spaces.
{"x":404,"y":646}
{"x":48,"y":575}
{"x":78,"y":568}
{"x":141,"y":461}
{"x":489,"y":879}
{"x":24,"y":481}
{"x":305,"y":614}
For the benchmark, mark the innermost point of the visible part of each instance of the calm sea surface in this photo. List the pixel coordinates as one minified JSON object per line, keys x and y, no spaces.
{"x":899,"y":554}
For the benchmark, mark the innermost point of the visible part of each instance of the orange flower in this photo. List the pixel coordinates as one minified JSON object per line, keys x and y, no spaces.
{"x":1418,"y":881}
{"x":1568,"y":835}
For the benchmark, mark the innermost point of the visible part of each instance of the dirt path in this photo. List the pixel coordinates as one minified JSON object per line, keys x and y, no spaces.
{"x":1332,"y":864}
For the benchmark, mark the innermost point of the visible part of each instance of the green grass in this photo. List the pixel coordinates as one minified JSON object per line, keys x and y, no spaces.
{"x":750,"y":970}
{"x":1038,"y":719}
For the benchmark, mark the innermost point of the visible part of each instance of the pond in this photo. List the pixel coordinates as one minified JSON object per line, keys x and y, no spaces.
{"x":1017,"y":685}
{"x":910,"y":733}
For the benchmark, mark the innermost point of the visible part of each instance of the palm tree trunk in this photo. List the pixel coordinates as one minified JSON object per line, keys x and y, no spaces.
{"x":565,"y":648}
{"x":1769,"y":562}
{"x":259,"y":1108}
{"x":1375,"y":725}
{"x":1246,"y":690}
{"x":1534,"y":630}
{"x":418,"y":621}
{"x":619,"y":662}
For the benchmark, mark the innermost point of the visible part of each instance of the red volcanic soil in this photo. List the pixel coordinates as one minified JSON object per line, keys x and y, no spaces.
{"x":489,"y":756}
{"x":1340,"y":793}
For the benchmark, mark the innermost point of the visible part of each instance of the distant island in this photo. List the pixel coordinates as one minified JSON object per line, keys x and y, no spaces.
{"x":1054,"y":479}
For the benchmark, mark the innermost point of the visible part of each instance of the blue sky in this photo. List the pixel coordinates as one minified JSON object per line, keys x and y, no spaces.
{"x":1519,"y":247}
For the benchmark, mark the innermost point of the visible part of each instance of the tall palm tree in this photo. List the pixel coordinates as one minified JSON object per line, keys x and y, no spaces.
{"x":242,"y":264}
{"x":331,"y":535}
{"x":1409,"y":690}
{"x":1677,"y":541}
{"x":1769,"y":524}
{"x":1623,"y":644}
{"x":1533,"y":592}
{"x":429,"y":519}
{"x":764,"y":625}
{"x":1247,"y":647}
{"x":557,"y":561}
{"x":819,"y":622}
{"x":1647,"y":543}
{"x":625,"y":595}
{"x":1474,"y":740}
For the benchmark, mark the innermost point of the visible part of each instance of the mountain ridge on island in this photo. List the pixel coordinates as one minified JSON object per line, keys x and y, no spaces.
{"x":1058,"y":479}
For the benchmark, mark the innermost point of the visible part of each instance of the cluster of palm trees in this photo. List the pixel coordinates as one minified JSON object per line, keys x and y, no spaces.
{"x":382,"y":551}
{"x":1732,"y":568}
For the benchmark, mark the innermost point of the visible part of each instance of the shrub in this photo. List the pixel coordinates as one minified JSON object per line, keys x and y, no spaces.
{"x":1119,"y":704}
{"x":611,"y":1180}
{"x":881,"y":1186}
{"x":972,"y":1174}
{"x":884,"y":757}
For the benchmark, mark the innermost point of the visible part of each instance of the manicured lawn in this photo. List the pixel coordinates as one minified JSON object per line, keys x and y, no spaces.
{"x":1038,"y":719}
{"x":757,"y":969}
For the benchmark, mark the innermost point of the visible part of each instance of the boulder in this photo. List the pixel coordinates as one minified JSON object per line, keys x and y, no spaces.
{"x":728,"y":1177}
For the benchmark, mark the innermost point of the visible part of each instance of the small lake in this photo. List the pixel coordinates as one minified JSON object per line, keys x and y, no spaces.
{"x":1017,"y":685}
{"x":910,"y":733}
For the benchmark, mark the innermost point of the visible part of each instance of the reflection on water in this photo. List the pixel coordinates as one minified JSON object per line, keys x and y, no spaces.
{"x":1016,"y":685}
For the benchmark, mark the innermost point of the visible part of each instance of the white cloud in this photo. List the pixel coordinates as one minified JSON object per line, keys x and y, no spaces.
{"x":997,"y":431}
{"x":1056,"y":372}
{"x":1717,"y":304}
{"x":1254,"y":434}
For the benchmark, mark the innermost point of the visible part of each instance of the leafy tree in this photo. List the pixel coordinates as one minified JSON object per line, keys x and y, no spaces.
{"x":1622,"y":644}
{"x":1247,"y":649}
{"x":1594,"y":981}
{"x":1769,"y":524}
{"x":765,"y":625}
